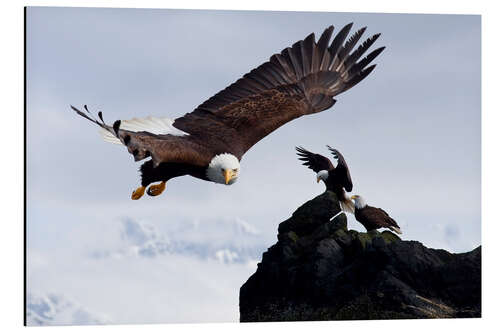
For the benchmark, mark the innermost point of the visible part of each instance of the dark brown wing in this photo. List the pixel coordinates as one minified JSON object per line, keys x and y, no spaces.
{"x":341,"y":170}
{"x":301,"y":80}
{"x":378,"y":217}
{"x":161,"y":148}
{"x":388,"y":219}
{"x":165,"y":148}
{"x":315,"y":162}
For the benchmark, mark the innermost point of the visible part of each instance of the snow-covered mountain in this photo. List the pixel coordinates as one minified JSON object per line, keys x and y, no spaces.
{"x":227,"y":241}
{"x":56,"y":309}
{"x":107,"y":273}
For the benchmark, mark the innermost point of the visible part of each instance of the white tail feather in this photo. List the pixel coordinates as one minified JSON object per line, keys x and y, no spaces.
{"x":108,"y":137}
{"x":150,"y":124}
{"x":347,"y":205}
{"x":396,"y":230}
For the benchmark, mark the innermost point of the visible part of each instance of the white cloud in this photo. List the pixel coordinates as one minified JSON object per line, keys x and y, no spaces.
{"x":226,"y":256}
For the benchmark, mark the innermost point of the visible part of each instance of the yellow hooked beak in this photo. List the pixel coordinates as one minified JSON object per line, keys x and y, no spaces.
{"x":354,"y":197}
{"x":228,"y":175}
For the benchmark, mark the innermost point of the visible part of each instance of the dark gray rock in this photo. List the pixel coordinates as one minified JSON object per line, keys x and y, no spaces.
{"x":319,"y":270}
{"x":312,"y":214}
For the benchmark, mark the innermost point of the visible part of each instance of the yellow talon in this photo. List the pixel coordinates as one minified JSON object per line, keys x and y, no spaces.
{"x":155,"y":190}
{"x":137,"y":194}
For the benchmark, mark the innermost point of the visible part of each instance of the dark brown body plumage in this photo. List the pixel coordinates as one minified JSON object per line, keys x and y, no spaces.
{"x":301,"y":80}
{"x":167,"y":171}
{"x":374,"y":218}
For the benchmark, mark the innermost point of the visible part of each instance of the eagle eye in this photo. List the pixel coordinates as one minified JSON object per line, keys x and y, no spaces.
{"x":235,"y":170}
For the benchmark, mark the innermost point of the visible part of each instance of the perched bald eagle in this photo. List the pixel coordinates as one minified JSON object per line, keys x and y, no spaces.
{"x":337,"y":179}
{"x":371,"y":217}
{"x":209,"y":142}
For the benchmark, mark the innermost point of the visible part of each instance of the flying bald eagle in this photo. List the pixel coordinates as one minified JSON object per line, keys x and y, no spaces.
{"x":371,"y":217}
{"x":337,"y":179}
{"x":209,"y":142}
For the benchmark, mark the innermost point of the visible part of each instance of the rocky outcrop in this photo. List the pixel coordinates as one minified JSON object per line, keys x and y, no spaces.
{"x":319,"y":270}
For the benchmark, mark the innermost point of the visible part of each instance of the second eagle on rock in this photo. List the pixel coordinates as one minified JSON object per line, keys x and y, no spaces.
{"x":373,"y":218}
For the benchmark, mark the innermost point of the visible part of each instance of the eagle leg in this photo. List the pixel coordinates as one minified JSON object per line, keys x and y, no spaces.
{"x":157,"y":189}
{"x":138,"y":193}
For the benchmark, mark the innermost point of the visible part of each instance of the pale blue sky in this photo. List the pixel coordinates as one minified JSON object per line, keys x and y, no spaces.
{"x":410,"y":131}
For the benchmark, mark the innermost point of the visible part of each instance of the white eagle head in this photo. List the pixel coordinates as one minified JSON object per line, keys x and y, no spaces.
{"x":223,"y":169}
{"x":359,"y":201}
{"x":322,"y":175}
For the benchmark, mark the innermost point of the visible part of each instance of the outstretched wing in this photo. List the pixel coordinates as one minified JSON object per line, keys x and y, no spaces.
{"x":143,"y":138}
{"x":341,"y":170}
{"x":315,"y":162}
{"x":302,"y":80}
